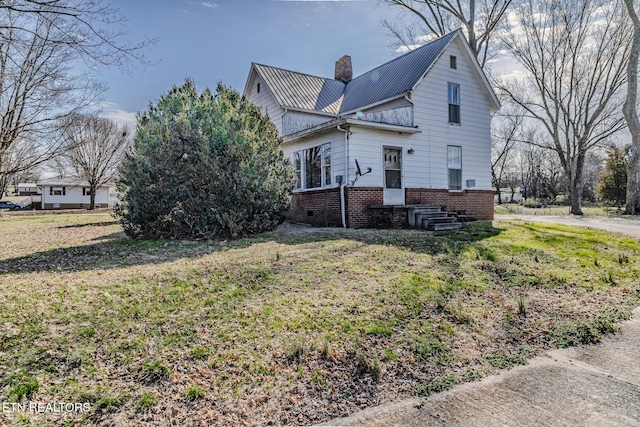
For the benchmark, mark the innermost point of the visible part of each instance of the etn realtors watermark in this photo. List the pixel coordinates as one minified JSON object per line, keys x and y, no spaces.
{"x":46,"y":408}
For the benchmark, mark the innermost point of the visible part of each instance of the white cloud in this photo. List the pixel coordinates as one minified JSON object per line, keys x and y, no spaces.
{"x":209,"y":4}
{"x":118,"y":115}
{"x":425,"y":38}
{"x":405,"y":49}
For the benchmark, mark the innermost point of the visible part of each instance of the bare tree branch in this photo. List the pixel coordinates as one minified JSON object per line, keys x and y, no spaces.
{"x":93,"y":28}
{"x":478,"y":18}
{"x":93,"y":148}
{"x":574,"y":54}
{"x":40,"y":40}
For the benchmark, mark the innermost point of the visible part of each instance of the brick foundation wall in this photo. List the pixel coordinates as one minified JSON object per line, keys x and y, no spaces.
{"x":317,"y":207}
{"x":322,"y":207}
{"x":478,"y":203}
{"x":388,"y":217}
{"x":358,"y":199}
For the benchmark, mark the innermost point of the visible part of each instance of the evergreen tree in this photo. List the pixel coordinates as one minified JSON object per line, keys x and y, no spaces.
{"x":613,"y":179}
{"x":203,"y":166}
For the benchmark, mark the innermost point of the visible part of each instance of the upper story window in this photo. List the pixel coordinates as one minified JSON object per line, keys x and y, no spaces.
{"x":453,"y":62}
{"x":454,"y":103}
{"x":258,"y":87}
{"x":312,"y":167}
{"x":454,"y":164}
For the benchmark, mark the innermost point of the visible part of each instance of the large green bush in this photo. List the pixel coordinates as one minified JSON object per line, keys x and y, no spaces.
{"x":203,"y":166}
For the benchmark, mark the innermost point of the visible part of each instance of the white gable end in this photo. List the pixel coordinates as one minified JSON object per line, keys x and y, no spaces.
{"x":473,"y":134}
{"x":263,"y":98}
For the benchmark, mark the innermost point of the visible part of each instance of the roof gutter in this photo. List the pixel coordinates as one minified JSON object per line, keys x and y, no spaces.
{"x":382,"y":126}
{"x":302,"y":110}
{"x":324,"y":127}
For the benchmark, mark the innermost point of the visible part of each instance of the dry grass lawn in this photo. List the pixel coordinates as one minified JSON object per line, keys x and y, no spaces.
{"x":291,"y":327}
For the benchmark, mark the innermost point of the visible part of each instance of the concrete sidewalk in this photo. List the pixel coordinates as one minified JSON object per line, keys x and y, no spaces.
{"x":596,"y":385}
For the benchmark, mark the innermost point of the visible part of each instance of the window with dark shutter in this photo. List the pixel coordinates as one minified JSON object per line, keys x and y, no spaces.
{"x":453,"y":62}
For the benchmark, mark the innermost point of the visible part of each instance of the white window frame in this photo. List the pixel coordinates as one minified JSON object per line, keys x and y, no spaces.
{"x":296,"y":159}
{"x":57,"y":191}
{"x":325,"y":167}
{"x":455,"y":102}
{"x":451,"y":167}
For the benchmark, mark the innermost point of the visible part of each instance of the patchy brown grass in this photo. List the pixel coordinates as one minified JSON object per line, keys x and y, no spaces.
{"x":292,"y":327}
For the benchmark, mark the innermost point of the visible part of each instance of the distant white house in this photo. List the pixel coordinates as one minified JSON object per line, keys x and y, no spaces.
{"x":507,"y":197}
{"x":414,"y":131}
{"x":72,"y":194}
{"x":28,"y":189}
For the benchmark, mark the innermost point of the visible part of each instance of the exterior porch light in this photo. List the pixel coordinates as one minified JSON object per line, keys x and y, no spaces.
{"x":410,"y":151}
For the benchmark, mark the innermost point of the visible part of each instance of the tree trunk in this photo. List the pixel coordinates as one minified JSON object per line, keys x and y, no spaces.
{"x":92,"y":204}
{"x":631,"y":116}
{"x":576,"y":186}
{"x":496,"y":184}
{"x":633,"y":179}
{"x":3,"y":185}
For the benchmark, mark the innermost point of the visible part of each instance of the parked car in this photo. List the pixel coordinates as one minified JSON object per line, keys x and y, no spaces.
{"x":10,"y":205}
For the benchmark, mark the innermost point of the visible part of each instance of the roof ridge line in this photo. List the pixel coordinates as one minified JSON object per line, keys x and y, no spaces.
{"x":403,"y":55}
{"x":297,"y":72}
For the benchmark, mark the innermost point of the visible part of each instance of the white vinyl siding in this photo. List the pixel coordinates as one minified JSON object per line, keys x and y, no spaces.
{"x":73,"y":195}
{"x":367,"y":146}
{"x":431,"y":115}
{"x":294,"y":121}
{"x":265,"y":100}
{"x":427,"y":167}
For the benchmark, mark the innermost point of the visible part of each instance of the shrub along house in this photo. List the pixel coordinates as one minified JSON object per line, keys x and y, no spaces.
{"x":374,"y":150}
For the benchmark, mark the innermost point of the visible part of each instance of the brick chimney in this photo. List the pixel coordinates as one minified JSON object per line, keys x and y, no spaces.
{"x":344,"y":71}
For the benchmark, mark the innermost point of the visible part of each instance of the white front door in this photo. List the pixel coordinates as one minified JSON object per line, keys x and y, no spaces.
{"x":393,"y":185}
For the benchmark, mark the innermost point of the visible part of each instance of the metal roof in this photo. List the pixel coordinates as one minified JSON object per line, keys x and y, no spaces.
{"x":307,"y":92}
{"x":397,"y":76}
{"x":304,"y":91}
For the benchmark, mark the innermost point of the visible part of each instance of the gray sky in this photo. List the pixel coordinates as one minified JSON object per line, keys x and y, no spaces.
{"x":216,"y":40}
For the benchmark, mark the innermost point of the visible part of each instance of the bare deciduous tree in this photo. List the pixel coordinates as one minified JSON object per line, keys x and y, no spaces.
{"x":37,"y":90}
{"x":40,"y":42}
{"x":504,"y":129}
{"x":16,"y":162}
{"x":93,"y":148}
{"x":574,"y":54}
{"x":92,"y":28}
{"x":479,"y":19}
{"x":631,"y":116}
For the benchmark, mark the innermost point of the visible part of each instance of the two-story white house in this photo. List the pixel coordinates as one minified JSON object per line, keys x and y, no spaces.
{"x":413,"y":131}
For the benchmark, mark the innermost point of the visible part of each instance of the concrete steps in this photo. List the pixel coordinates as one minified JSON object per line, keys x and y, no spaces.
{"x":430,"y":217}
